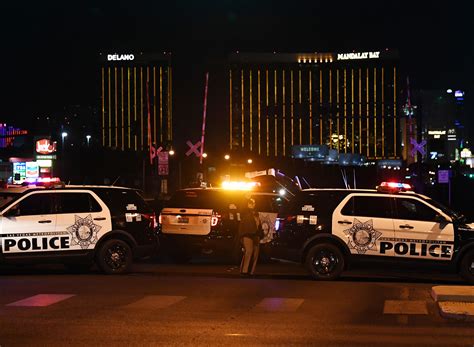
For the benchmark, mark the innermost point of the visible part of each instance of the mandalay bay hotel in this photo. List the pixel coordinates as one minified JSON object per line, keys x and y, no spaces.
{"x":345,"y":101}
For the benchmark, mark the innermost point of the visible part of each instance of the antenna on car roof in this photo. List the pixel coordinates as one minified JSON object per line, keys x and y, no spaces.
{"x":113,"y":184}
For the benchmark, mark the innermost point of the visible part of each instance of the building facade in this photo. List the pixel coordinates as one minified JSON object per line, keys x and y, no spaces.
{"x":133,"y":87}
{"x":346,"y":101}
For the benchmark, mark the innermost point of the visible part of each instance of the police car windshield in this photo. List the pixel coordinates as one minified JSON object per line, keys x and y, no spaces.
{"x":453,"y":214}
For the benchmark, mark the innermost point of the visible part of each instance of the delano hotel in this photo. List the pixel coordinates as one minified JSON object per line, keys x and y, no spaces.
{"x":129,"y":82}
{"x":346,"y":101}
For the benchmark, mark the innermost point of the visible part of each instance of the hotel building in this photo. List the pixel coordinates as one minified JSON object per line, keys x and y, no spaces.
{"x":345,"y":101}
{"x":133,"y":85}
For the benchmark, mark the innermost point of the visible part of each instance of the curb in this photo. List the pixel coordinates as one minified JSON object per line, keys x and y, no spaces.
{"x":453,"y":293}
{"x":461,"y":311}
{"x":455,"y":302}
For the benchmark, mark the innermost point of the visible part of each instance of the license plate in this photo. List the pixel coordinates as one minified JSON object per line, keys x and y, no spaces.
{"x":183,"y":220}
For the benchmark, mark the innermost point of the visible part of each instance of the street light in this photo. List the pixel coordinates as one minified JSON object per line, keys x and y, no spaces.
{"x":171,"y":152}
{"x":250,"y":161}
{"x":226,"y":157}
{"x":88,"y":138}
{"x":63,"y":136}
{"x":204,"y":155}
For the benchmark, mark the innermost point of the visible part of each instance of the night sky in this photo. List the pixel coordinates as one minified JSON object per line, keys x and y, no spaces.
{"x":49,"y":54}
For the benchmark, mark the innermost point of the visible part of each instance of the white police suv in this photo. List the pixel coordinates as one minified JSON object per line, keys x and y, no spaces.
{"x":76,"y":226}
{"x":329,"y":229}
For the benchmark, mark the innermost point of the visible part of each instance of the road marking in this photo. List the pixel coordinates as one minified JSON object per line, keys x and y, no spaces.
{"x":405,"y":307}
{"x":41,"y":300}
{"x":152,"y":302}
{"x":279,"y":304}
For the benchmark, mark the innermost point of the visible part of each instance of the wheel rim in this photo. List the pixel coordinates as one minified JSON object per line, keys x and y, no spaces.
{"x":324,"y":262}
{"x":116,"y":256}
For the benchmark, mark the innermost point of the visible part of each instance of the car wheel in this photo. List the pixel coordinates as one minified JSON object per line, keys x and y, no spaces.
{"x":114,"y":257}
{"x":325,"y":261}
{"x":466,"y":269}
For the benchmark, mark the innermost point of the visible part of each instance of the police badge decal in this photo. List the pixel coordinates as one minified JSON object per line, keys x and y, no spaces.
{"x":362,"y":236}
{"x":83,"y":232}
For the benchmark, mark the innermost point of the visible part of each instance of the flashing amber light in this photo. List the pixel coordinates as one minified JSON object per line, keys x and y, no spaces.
{"x":239,"y":185}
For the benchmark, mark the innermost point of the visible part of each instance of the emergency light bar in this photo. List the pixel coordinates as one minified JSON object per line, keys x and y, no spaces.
{"x":239,"y":185}
{"x":394,"y":186}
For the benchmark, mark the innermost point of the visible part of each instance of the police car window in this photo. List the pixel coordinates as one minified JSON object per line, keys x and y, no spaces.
{"x":120,"y":201}
{"x":368,"y":206}
{"x":36,"y":204}
{"x":412,"y":209}
{"x":77,"y":203}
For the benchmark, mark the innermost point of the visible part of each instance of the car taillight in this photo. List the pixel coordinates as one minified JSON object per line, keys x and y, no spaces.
{"x":151,"y":217}
{"x":215,"y":219}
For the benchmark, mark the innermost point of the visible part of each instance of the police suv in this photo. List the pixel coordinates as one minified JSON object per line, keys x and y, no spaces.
{"x":205,"y":221}
{"x":76,"y":226}
{"x":329,"y":229}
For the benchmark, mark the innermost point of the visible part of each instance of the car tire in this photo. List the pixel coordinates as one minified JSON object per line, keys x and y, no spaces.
{"x":325,"y":261}
{"x":114,"y":257}
{"x":466,"y":267}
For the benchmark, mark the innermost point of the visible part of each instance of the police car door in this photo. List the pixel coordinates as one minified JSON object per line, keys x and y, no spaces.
{"x":364,"y":222}
{"x":29,"y":226}
{"x":82,"y":218}
{"x":418,"y":234}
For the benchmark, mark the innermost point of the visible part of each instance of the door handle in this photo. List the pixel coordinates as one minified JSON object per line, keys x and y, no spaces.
{"x":100,"y":218}
{"x":344,"y":222}
{"x":44,"y":221}
{"x":406,"y":226}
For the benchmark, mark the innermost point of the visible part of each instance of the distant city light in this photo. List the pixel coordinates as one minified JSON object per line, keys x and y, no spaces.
{"x":449,"y":91}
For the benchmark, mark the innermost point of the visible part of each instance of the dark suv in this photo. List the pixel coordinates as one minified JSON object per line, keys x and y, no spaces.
{"x":76,"y":226}
{"x":205,"y":221}
{"x":329,"y":229}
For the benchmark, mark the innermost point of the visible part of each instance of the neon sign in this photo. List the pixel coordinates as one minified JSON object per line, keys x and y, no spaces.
{"x":129,"y":57}
{"x":360,"y":55}
{"x":45,"y":146}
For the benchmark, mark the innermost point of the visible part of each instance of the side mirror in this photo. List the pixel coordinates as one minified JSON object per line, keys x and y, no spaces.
{"x":13,"y":212}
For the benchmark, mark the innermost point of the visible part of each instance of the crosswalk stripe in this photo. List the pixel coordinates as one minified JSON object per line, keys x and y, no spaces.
{"x":279,"y":304}
{"x":405,"y":307}
{"x":41,"y":300}
{"x":155,"y":302}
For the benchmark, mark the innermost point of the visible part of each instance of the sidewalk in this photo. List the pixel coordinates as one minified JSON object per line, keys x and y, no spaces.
{"x":455,"y":302}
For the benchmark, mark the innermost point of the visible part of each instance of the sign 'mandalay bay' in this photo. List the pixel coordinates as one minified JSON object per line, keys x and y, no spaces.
{"x":111,"y":57}
{"x":360,"y":55}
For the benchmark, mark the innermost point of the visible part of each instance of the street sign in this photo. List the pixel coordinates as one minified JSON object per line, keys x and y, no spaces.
{"x":443,"y":176}
{"x":417,"y":147}
{"x":154,"y":152}
{"x":193,"y":148}
{"x":163,"y":165}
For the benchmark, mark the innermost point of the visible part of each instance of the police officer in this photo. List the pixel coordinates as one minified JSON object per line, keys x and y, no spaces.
{"x":250,"y":238}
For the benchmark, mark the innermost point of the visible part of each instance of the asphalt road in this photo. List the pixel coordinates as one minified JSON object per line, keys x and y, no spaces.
{"x":209,"y":304}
